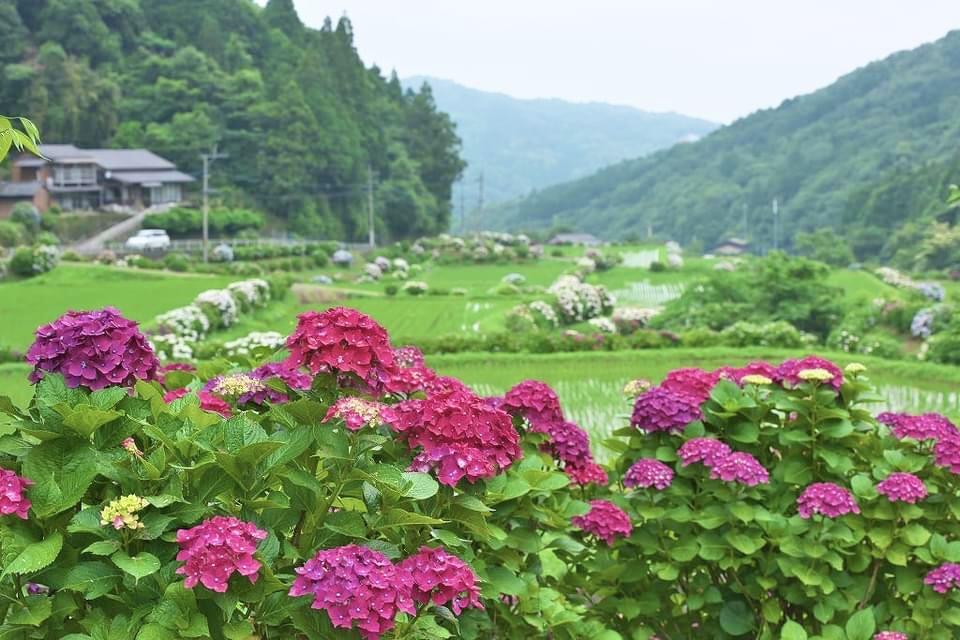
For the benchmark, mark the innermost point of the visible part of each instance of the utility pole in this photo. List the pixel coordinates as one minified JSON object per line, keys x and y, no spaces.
{"x":463,"y":209}
{"x":372,"y":237}
{"x":480,"y":198}
{"x":207,"y":159}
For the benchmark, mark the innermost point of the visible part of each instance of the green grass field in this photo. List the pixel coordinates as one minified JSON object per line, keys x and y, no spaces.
{"x":140,"y":295}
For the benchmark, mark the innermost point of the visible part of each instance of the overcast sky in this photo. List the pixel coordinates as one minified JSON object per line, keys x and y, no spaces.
{"x":717,"y":59}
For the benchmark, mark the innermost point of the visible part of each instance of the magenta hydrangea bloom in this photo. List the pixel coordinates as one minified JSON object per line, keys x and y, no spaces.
{"x":356,"y":585}
{"x":342,"y":341}
{"x":208,"y":401}
{"x":460,"y":421}
{"x":647,"y":473}
{"x":757,"y":368}
{"x":605,"y":520}
{"x":692,"y":382}
{"x":293,"y":378}
{"x":568,"y":444}
{"x":659,"y":409}
{"x":902,"y":487}
{"x":217,"y":548}
{"x":944,"y":577}
{"x":740,"y":467}
{"x":442,"y":578}
{"x":788,"y":372}
{"x":454,"y":462}
{"x":890,"y":635}
{"x":93,"y":349}
{"x":584,"y":473}
{"x":13,"y":498}
{"x":408,"y":356}
{"x":826,"y":498}
{"x":163,"y":370}
{"x":535,"y":401}
{"x":946,"y":453}
{"x":706,"y":450}
{"x":355,"y":412}
{"x":411,"y":379}
{"x":929,"y":426}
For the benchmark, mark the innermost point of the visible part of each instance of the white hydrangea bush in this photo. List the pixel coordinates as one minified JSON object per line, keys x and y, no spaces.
{"x":253,"y":341}
{"x":222,"y":303}
{"x":603,"y":325}
{"x":169,"y":346}
{"x":544,"y":314}
{"x":189,"y":323}
{"x":252,"y":294}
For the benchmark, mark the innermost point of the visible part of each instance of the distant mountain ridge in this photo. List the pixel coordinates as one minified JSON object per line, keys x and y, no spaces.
{"x":524,"y":145}
{"x":876,"y":148}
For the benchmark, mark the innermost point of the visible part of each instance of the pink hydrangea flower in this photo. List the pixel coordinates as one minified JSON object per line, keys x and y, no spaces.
{"x":293,"y":378}
{"x":946,"y":453}
{"x":605,"y":520}
{"x":93,"y":349}
{"x":13,"y":499}
{"x":902,"y":487}
{"x":827,"y":499}
{"x":929,"y":426}
{"x":788,"y":372}
{"x":740,"y":467}
{"x":757,"y":368}
{"x":130,"y":446}
{"x":411,"y":379}
{"x":692,"y":382}
{"x":454,"y":462}
{"x":535,"y":401}
{"x":457,"y":420}
{"x":408,"y":356}
{"x":442,"y":578}
{"x":342,"y":341}
{"x":660,"y":409}
{"x":944,"y":577}
{"x":890,"y":635}
{"x":647,"y":473}
{"x":355,"y":412}
{"x":705,"y":450}
{"x":356,"y":585}
{"x":584,"y":473}
{"x":217,"y":548}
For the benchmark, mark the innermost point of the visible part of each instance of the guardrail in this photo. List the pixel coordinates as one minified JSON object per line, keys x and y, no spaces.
{"x":196,"y":246}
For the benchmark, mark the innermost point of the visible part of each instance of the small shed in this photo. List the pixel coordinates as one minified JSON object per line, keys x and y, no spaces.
{"x":583,"y":239}
{"x":731,"y":247}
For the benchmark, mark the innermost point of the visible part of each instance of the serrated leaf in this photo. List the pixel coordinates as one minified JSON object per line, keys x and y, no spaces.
{"x":36,"y":556}
{"x":35,"y":611}
{"x":861,"y":625}
{"x":401,"y":518}
{"x":139,"y":566}
{"x":92,"y":579}
{"x":421,"y":485}
{"x":103,"y":548}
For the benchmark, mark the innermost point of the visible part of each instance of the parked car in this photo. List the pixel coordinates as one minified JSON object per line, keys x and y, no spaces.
{"x":149,"y":240}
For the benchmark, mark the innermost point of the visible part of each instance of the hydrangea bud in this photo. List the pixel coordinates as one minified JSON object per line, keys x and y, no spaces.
{"x":121,"y":513}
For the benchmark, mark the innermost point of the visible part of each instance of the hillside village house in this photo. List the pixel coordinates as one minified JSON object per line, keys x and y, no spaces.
{"x":731,"y":247}
{"x":88,"y":179}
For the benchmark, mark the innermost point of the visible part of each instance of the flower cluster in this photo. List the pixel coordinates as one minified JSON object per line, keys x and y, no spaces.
{"x":208,"y":401}
{"x":252,"y":293}
{"x":293,"y":378}
{"x":629,"y":319}
{"x":355,"y":584}
{"x":94,"y":349}
{"x":757,"y":368}
{"x":13,"y":499}
{"x":577,"y":301}
{"x":902,"y":487}
{"x":660,"y":409}
{"x":217,"y":548}
{"x":789,"y":371}
{"x":827,"y":499}
{"x":570,"y":447}
{"x":170,"y":346}
{"x":740,"y":467}
{"x":256,"y":340}
{"x":946,"y":453}
{"x":635,"y":387}
{"x":121,"y":513}
{"x":535,"y":401}
{"x":603,"y":325}
{"x":408,"y":356}
{"x":189,"y":323}
{"x":442,"y":578}
{"x":457,"y":431}
{"x":605,"y":520}
{"x":647,"y":473}
{"x":415,"y":287}
{"x":928,"y":426}
{"x":543,"y":312}
{"x":342,"y":341}
{"x":695,"y":383}
{"x":944,"y":577}
{"x":355,"y":412}
{"x":890,"y":635}
{"x":222,"y":303}
{"x":706,"y":450}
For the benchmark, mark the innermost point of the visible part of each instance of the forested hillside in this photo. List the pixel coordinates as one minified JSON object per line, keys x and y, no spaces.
{"x":295,"y":108}
{"x":865,"y":154}
{"x":522,"y":145}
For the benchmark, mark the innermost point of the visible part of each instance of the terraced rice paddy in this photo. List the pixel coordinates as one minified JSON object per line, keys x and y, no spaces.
{"x":647,"y":294}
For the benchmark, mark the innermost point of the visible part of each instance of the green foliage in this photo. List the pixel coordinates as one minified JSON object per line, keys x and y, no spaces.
{"x":773,"y":288}
{"x":181,"y":222}
{"x":176,"y":262}
{"x":299,"y":114}
{"x":32,"y":261}
{"x":11,"y":234}
{"x":824,"y":245}
{"x":24,"y":137}
{"x":834,"y":158}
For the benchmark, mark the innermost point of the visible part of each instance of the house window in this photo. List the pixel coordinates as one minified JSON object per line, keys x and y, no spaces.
{"x":74,"y":175}
{"x":165,"y":193}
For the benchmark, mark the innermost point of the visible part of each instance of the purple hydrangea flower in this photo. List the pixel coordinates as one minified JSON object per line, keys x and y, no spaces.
{"x":929,"y":426}
{"x":740,"y":467}
{"x":788,"y":371}
{"x":946,"y":453}
{"x":440,"y":577}
{"x":890,"y":635}
{"x":705,"y":450}
{"x":647,"y":473}
{"x":535,"y":401}
{"x":944,"y":577}
{"x":827,"y":499}
{"x":902,"y":487}
{"x":13,"y":496}
{"x":605,"y":520}
{"x":93,"y":349}
{"x":660,"y":409}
